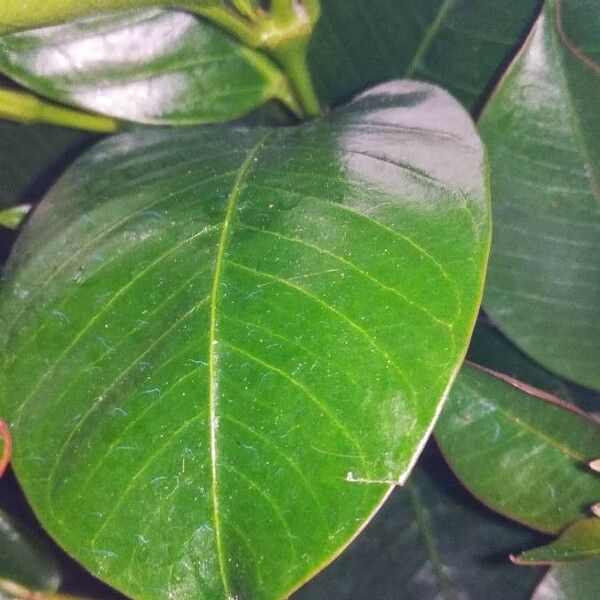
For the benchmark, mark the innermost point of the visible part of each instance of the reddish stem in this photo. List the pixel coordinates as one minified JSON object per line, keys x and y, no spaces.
{"x":7,"y":451}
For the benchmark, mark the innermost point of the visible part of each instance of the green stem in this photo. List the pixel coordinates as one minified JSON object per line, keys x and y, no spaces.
{"x":19,"y":106}
{"x":292,"y":58}
{"x":283,"y":34}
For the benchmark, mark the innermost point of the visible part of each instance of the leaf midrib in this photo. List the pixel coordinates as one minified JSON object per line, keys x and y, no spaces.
{"x":429,"y":36}
{"x":429,"y":542}
{"x":234,"y":195}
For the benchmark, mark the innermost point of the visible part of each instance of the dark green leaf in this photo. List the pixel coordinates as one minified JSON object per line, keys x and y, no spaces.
{"x":429,"y":541}
{"x":74,"y":579}
{"x":542,"y":130}
{"x":30,"y":156}
{"x":523,"y":455}
{"x":570,"y":582}
{"x":249,"y":331}
{"x":148,"y":66}
{"x":458,"y":44}
{"x":580,"y":541}
{"x":493,"y":350}
{"x":578,"y":26}
{"x":24,"y":558}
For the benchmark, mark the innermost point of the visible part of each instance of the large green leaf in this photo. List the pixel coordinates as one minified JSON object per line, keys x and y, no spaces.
{"x":247,"y":331}
{"x":149,"y":66}
{"x":570,"y":582}
{"x":430,"y":540}
{"x":580,"y":541}
{"x":491,"y":349}
{"x":523,"y":455}
{"x":542,"y":129}
{"x":24,"y":558}
{"x":458,"y":44}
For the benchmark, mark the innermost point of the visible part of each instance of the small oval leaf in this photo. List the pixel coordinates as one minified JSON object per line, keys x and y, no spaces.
{"x":150,"y":66}
{"x":249,"y":331}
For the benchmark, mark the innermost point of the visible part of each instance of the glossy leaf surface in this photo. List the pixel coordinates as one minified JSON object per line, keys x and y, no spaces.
{"x":149,"y":66}
{"x":249,"y":331}
{"x":430,"y":540}
{"x":570,"y":582}
{"x":24,"y":559}
{"x":580,"y":541}
{"x":448,"y":42}
{"x":522,"y":455}
{"x":542,"y":132}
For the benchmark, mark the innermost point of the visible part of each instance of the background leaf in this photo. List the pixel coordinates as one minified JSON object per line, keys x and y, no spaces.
{"x":356,"y":44}
{"x":524,"y":456}
{"x":149,"y":66}
{"x":542,"y":132}
{"x":24,"y":558}
{"x":580,"y":541}
{"x":490,"y":348}
{"x":430,"y":540}
{"x":31,"y":156}
{"x":570,"y":582}
{"x":578,"y":27}
{"x":448,"y":42}
{"x":194,"y":333}
{"x":74,"y":580}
